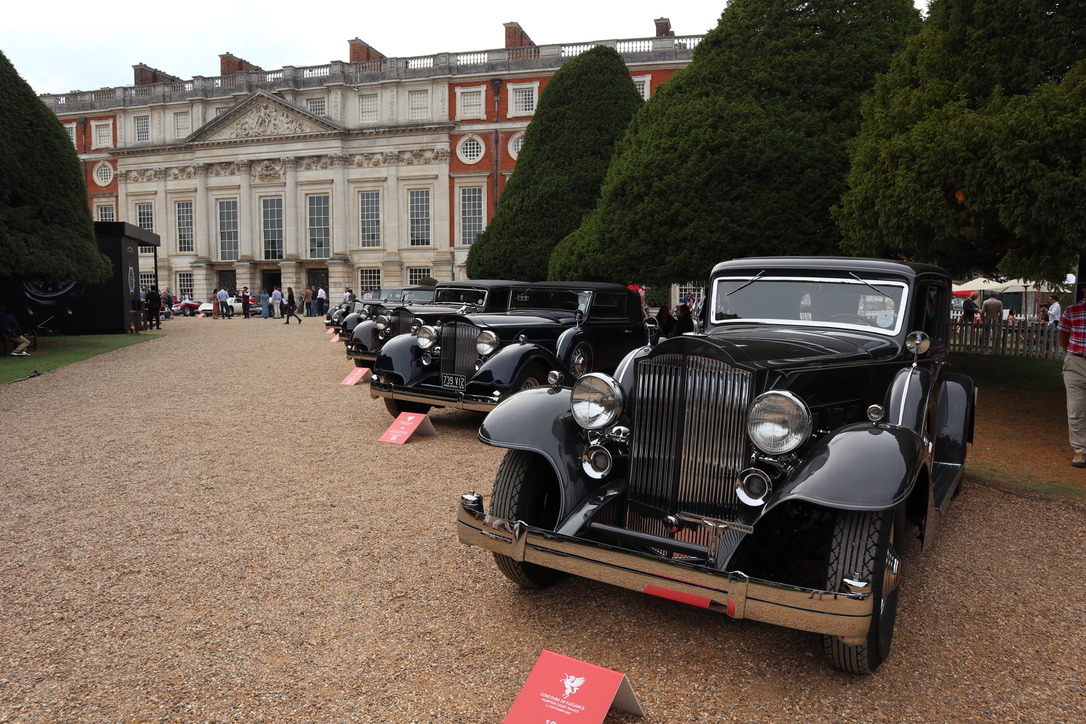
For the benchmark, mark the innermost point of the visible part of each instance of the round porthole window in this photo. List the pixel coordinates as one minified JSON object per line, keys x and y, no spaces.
{"x":470,"y":149}
{"x":103,"y":173}
{"x":515,"y":144}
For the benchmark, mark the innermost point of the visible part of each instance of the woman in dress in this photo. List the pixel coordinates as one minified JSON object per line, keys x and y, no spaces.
{"x":265,"y":298}
{"x":292,"y":306}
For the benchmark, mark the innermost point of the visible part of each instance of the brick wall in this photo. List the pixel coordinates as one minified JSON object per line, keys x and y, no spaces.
{"x":362,"y":52}
{"x":230,"y":65}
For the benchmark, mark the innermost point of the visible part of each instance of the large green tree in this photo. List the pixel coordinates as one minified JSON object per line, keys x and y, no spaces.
{"x":46,"y":231}
{"x":581,"y":114}
{"x":744,"y":151}
{"x":973,"y":146}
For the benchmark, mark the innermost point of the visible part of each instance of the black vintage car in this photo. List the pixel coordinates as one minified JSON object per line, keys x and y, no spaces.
{"x":473,"y":361}
{"x":379,"y":302}
{"x":775,"y":467}
{"x":475,"y":296}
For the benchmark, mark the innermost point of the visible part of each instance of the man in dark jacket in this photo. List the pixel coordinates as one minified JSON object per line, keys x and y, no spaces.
{"x":154,"y":303}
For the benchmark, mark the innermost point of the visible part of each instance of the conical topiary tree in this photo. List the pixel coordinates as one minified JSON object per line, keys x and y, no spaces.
{"x":46,"y":231}
{"x":581,"y":114}
{"x":744,"y":151}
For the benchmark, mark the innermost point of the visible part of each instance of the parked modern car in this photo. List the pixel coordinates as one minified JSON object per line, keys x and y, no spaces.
{"x":475,"y":296}
{"x":186,"y":308}
{"x":472,"y":361}
{"x":776,"y":467}
{"x":208,"y":308}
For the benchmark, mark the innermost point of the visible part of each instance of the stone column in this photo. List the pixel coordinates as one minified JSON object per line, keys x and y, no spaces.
{"x":201,"y":213}
{"x":245,"y":210}
{"x":291,"y":232}
{"x":162,"y":219}
{"x":341,"y":205}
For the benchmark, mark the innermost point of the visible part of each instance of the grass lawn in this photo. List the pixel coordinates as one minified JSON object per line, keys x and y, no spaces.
{"x":54,"y":352}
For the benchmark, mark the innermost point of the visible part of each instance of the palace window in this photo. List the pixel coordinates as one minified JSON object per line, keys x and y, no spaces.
{"x":228,"y":230}
{"x":271,"y":213}
{"x":367,"y":108}
{"x":182,"y":124}
{"x":522,"y":98}
{"x":320,"y":228}
{"x":369,"y":279}
{"x":419,"y":216}
{"x":186,"y":239}
{"x":415,"y":275}
{"x":369,"y":209}
{"x":418,"y":105}
{"x":471,"y":214}
{"x":316,"y":106}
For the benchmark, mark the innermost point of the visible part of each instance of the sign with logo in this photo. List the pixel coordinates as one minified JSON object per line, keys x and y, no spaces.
{"x":562,"y":689}
{"x":358,"y":374}
{"x":407,"y":424}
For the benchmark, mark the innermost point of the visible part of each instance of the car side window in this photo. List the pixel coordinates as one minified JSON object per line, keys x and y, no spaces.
{"x":931,"y":313}
{"x":609,"y":305}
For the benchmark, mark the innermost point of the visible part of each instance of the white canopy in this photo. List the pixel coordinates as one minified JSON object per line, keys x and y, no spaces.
{"x":980,"y":284}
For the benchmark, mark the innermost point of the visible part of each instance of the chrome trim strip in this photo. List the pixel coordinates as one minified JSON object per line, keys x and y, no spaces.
{"x":457,"y":402}
{"x":837,"y":614}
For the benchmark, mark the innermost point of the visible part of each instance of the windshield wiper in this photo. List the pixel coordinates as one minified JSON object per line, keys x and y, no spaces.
{"x":753,"y":279}
{"x":868,"y":284}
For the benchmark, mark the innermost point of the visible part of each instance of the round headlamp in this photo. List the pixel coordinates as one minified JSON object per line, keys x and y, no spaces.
{"x":596,"y":401}
{"x":417,"y":323}
{"x":778,"y":422}
{"x":381,"y":322}
{"x":427,"y":337}
{"x":486,"y":343}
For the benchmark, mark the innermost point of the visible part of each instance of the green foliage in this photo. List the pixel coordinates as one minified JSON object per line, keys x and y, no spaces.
{"x":46,"y":230}
{"x":427,"y":282}
{"x":581,"y":114}
{"x":972,"y":148}
{"x":744,"y":151}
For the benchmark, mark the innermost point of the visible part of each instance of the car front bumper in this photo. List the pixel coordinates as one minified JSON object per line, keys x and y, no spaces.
{"x":435,"y":397}
{"x":846,"y":615}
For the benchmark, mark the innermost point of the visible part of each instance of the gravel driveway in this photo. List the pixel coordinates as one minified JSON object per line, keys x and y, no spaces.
{"x":204,"y":528}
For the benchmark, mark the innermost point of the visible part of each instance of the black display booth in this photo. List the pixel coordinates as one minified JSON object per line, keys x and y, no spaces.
{"x":112,"y":307}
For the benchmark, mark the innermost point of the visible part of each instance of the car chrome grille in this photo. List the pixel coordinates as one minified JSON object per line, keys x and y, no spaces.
{"x":400,"y":324}
{"x":458,"y":354}
{"x":688,"y":441}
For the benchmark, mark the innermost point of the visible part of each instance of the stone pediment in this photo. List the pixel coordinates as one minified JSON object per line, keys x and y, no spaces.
{"x":262,"y":115}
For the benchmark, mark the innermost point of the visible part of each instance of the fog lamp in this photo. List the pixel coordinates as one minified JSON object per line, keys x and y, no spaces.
{"x":596,"y":462}
{"x":754,"y":487}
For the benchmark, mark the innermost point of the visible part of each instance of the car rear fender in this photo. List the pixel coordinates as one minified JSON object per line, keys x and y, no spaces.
{"x":538,"y":421}
{"x":857,"y":467}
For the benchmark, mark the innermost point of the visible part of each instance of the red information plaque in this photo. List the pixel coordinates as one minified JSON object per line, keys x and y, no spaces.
{"x":562,"y":689}
{"x":406,"y":425}
{"x":358,"y":374}
{"x":334,"y":339}
{"x":329,"y":330}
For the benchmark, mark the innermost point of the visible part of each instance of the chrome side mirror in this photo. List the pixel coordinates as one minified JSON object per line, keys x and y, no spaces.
{"x":918,"y":343}
{"x":652,"y":328}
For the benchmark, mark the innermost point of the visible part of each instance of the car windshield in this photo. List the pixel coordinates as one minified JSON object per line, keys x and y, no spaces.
{"x":870,"y":303}
{"x":570,"y":300}
{"x":459,"y":295}
{"x":418,"y":295}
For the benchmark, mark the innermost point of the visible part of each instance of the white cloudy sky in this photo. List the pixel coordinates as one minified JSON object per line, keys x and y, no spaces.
{"x":67,"y":45}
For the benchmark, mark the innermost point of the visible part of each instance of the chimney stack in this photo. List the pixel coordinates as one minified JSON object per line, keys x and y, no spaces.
{"x":362,"y":52}
{"x":146,"y":75}
{"x":515,"y":37}
{"x":663,"y":28}
{"x":231,"y":65}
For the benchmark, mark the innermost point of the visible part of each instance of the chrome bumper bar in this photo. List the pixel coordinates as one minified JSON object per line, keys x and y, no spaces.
{"x":847,"y":615}
{"x":455,"y":400}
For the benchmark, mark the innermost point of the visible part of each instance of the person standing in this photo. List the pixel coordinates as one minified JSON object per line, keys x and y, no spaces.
{"x":167,"y":304}
{"x":225,"y":309}
{"x":245,"y":302}
{"x":307,"y":301}
{"x":265,"y":300}
{"x":322,"y":301}
{"x":1054,"y":309}
{"x":154,"y":308}
{"x":992,"y":312}
{"x":1072,"y":333}
{"x":9,"y":327}
{"x":292,"y":306}
{"x":276,"y":303}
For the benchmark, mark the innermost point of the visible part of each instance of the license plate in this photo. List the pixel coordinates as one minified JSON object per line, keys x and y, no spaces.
{"x":456,"y":382}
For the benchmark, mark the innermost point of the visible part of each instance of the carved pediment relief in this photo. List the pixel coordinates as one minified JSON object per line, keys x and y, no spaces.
{"x":262,"y":116}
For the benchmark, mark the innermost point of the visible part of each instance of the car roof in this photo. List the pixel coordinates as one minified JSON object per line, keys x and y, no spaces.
{"x":804,"y":264}
{"x":479,"y":283}
{"x":591,"y":286}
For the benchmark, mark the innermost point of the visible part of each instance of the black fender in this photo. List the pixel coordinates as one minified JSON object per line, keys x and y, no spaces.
{"x":857,"y":467}
{"x":539,"y":421}
{"x":907,"y":399}
{"x":400,"y":362}
{"x":349,"y":323}
{"x":502,"y":370}
{"x":566,"y":342}
{"x":365,"y":335}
